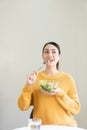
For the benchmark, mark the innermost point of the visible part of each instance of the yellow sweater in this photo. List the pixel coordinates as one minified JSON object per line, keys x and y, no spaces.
{"x":55,"y":109}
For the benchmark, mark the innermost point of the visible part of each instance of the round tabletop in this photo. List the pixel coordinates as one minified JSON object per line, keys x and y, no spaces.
{"x":52,"y":127}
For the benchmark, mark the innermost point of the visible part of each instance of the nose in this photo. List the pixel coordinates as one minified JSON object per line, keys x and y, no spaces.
{"x":50,"y":53}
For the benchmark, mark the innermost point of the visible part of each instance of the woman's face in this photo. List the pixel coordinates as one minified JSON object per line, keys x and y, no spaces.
{"x":51,"y":55}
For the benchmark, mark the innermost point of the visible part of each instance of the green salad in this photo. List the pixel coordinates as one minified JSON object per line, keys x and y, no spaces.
{"x":48,"y":85}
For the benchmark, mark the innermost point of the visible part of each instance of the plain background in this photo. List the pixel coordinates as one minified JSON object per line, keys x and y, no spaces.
{"x":25,"y":26}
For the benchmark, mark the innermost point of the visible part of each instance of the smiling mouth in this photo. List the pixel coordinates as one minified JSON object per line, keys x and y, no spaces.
{"x":50,"y":61}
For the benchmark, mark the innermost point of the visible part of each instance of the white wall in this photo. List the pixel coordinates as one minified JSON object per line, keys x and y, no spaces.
{"x":25,"y":25}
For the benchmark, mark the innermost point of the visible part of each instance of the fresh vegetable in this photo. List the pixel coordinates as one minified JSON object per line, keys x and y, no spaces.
{"x":48,"y":86}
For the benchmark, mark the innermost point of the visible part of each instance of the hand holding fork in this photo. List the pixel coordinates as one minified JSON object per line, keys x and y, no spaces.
{"x":32,"y":77}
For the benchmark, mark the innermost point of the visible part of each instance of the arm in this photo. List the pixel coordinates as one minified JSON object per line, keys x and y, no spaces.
{"x":69,"y":100}
{"x":25,"y":99}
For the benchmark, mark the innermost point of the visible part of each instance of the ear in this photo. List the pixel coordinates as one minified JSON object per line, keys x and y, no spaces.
{"x":42,"y":57}
{"x":60,"y":56}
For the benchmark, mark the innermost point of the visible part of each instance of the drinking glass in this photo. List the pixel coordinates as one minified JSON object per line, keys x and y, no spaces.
{"x":34,"y":124}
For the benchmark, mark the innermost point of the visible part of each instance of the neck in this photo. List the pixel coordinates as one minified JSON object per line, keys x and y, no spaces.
{"x":51,"y":71}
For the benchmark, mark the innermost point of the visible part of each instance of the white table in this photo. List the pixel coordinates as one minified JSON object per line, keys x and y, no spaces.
{"x":52,"y":127}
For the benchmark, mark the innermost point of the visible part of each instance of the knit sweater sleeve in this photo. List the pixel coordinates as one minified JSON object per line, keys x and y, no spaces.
{"x":69,"y":101}
{"x":25,"y":99}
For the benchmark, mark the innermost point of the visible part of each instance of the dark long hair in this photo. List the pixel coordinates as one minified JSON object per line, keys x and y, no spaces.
{"x":57,"y":46}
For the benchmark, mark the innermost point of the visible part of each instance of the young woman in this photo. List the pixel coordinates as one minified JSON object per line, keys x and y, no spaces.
{"x":59,"y":106}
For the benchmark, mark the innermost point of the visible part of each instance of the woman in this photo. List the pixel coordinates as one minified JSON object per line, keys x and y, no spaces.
{"x":56,"y":107}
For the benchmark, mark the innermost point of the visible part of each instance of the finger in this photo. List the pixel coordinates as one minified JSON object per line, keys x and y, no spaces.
{"x":35,"y":72}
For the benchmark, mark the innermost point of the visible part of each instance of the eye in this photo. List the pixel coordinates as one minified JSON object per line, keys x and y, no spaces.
{"x":54,"y":52}
{"x":46,"y":52}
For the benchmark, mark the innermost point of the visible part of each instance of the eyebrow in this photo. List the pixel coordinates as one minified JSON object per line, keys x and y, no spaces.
{"x":51,"y":49}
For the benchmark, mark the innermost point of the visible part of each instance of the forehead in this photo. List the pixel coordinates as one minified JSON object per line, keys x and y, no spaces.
{"x":50,"y":47}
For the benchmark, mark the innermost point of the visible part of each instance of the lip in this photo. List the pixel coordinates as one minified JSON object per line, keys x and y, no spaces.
{"x":50,"y":61}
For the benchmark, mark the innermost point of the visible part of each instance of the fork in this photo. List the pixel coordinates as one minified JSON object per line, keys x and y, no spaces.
{"x":41,"y":66}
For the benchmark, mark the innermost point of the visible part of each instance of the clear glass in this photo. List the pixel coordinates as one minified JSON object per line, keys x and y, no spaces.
{"x":34,"y":124}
